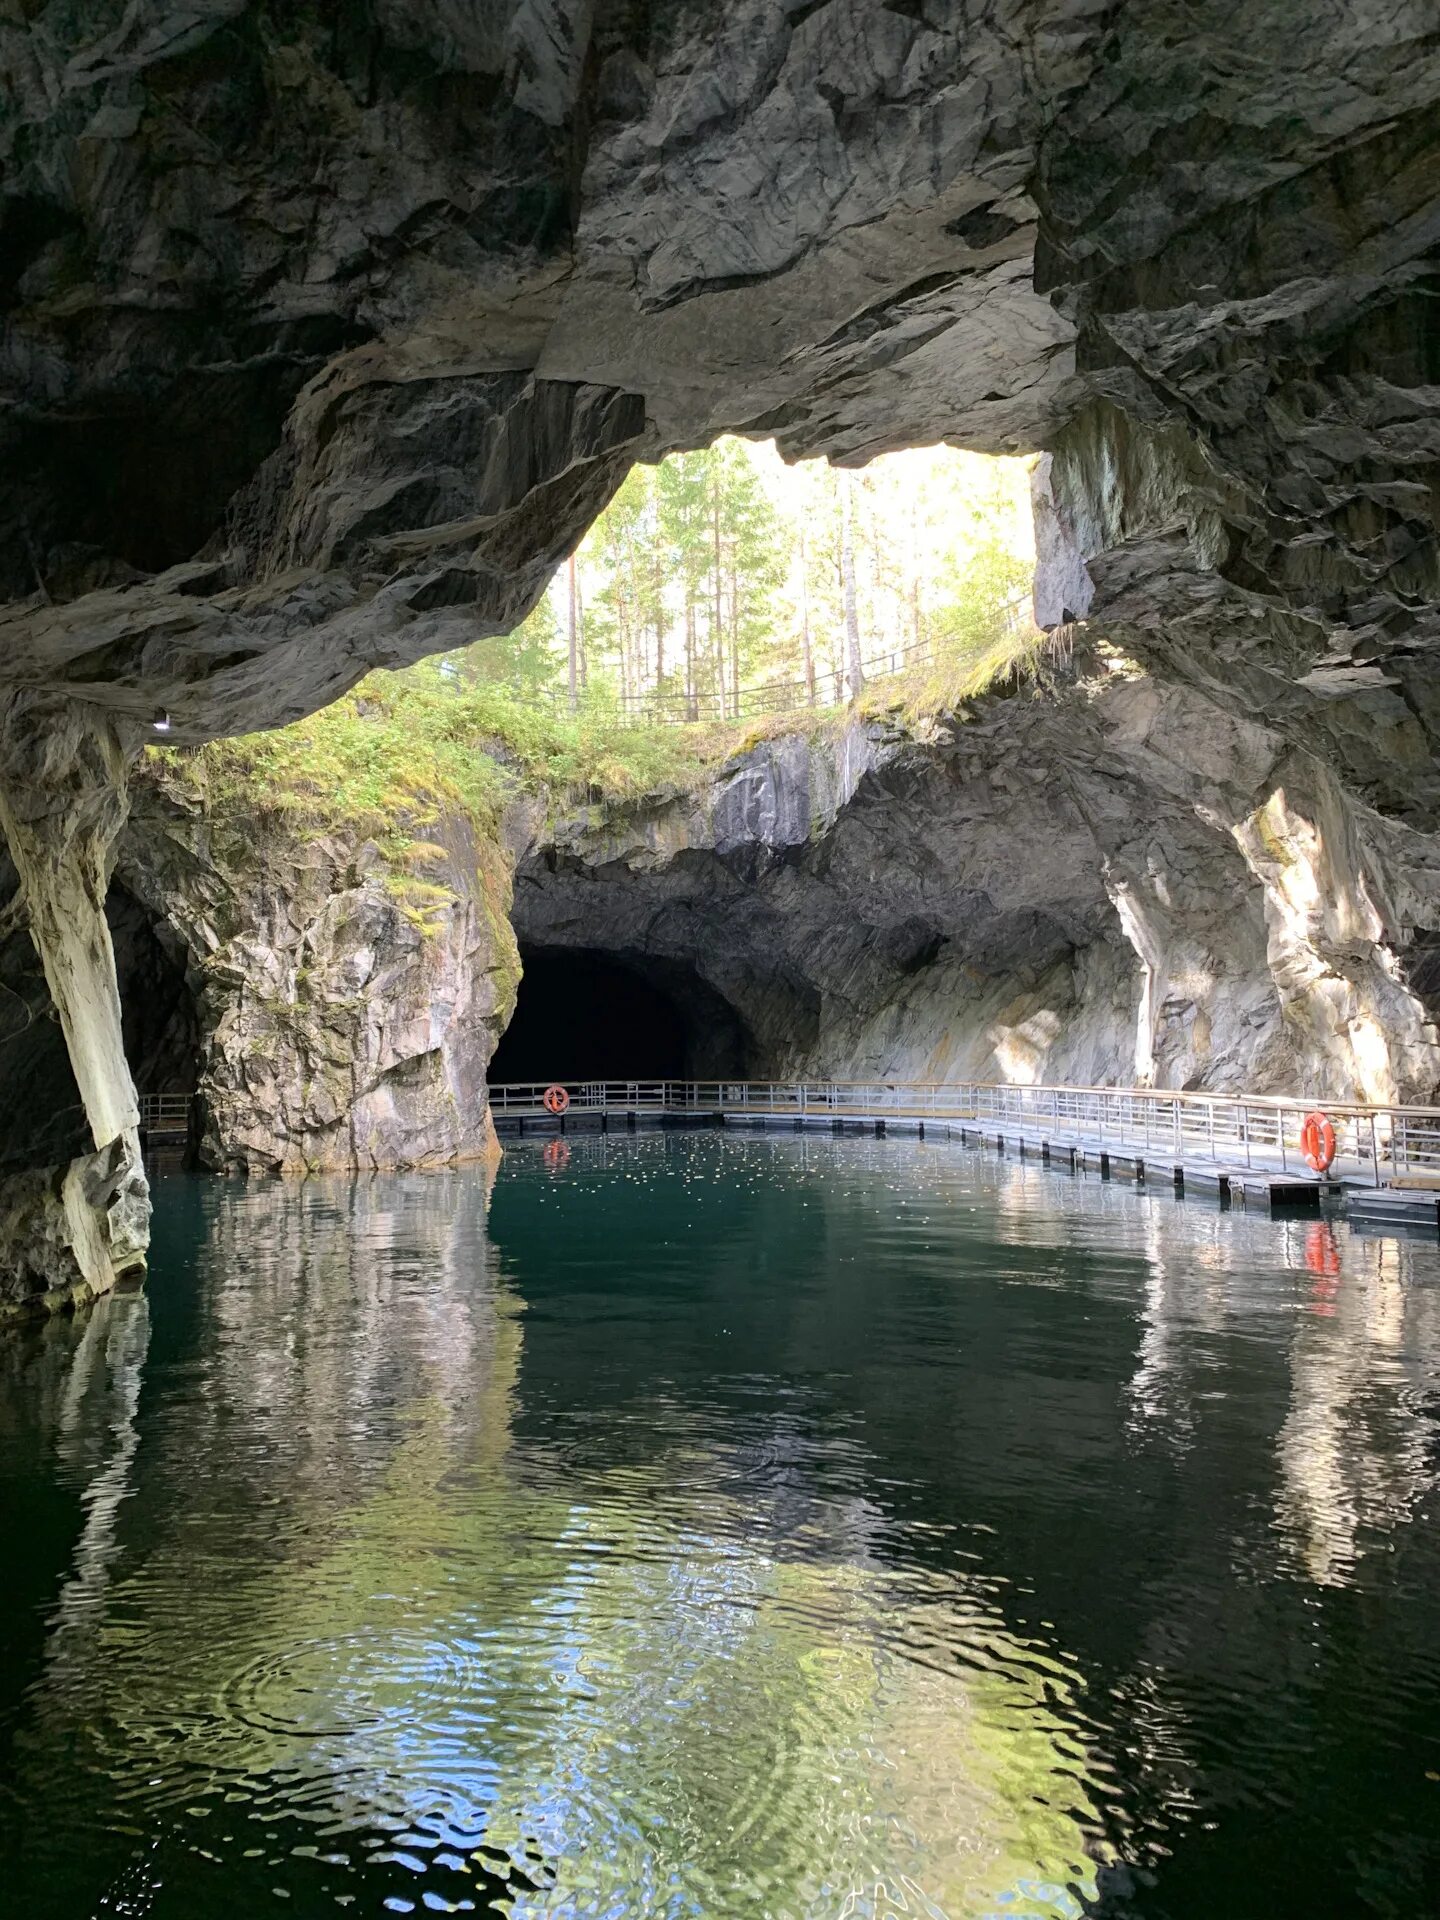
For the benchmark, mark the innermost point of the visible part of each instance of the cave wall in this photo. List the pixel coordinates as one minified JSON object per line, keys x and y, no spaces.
{"x":1104,"y":881}
{"x":327,"y":330}
{"x":346,"y":1000}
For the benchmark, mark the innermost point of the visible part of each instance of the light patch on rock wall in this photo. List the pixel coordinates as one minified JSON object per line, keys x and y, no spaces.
{"x":1071,"y":883}
{"x":1348,"y":1015}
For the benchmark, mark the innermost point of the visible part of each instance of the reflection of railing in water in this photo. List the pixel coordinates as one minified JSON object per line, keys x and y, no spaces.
{"x":1373,"y":1143}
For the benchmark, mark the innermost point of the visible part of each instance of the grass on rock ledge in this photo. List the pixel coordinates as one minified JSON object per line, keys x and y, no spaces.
{"x":402,"y":750}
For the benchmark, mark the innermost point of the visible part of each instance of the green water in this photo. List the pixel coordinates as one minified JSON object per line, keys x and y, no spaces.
{"x":704,"y":1525}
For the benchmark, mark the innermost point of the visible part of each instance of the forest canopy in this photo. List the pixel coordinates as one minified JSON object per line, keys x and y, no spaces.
{"x":723,"y":584}
{"x":720,"y":587}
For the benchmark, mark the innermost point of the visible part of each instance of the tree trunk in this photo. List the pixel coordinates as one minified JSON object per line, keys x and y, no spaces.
{"x":805,"y":640}
{"x":719,"y":612}
{"x":580,"y":632}
{"x":690,"y":655}
{"x":734,"y":641}
{"x":658,"y":585}
{"x":915,"y":573}
{"x":573,"y":624}
{"x":847,"y":580}
{"x":631,"y":632}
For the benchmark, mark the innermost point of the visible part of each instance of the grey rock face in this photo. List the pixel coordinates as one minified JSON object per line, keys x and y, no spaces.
{"x":61,"y":804}
{"x":1118,"y":882}
{"x":326,"y":333}
{"x":344,"y":1015}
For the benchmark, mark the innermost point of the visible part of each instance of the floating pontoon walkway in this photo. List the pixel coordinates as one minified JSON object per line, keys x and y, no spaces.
{"x":1247,"y":1151}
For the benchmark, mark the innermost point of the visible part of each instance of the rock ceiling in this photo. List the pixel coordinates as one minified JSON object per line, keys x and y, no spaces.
{"x":328,"y":328}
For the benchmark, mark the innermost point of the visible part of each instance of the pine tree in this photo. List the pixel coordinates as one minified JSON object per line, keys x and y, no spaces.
{"x":855,"y":672}
{"x":721,"y":581}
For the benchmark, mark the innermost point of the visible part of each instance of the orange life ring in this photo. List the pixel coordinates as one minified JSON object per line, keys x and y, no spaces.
{"x":1317,"y":1142}
{"x":556,"y":1099}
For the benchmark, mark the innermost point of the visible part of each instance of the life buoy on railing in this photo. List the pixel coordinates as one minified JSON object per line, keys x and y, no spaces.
{"x":556,"y":1099}
{"x":1317,"y":1141}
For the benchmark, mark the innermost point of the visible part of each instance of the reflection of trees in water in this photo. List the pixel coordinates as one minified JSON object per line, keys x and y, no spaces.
{"x":397,"y":1598}
{"x":355,"y":1612}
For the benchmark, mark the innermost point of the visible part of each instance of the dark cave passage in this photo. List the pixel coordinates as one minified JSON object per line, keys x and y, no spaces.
{"x":157,"y":1008}
{"x":586,"y":1015}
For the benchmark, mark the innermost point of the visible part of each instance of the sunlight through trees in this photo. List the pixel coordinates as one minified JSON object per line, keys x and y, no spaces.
{"x":723,"y":583}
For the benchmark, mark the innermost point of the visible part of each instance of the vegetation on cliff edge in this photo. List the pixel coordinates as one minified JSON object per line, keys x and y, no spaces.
{"x":463,"y":733}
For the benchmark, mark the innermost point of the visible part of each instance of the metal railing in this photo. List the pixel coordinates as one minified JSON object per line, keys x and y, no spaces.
{"x":165,"y":1112}
{"x":1260,"y":1132}
{"x":673,"y":704}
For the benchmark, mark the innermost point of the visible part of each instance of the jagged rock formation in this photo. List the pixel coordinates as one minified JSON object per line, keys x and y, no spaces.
{"x":1109,"y":881}
{"x":76,"y":1228}
{"x":324,"y":331}
{"x":345,"y":1010}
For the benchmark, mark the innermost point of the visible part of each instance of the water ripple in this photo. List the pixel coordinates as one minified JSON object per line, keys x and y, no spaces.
{"x":723,"y":1529}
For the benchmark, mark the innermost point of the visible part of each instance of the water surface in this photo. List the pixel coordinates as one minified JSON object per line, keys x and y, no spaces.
{"x":703,"y":1525}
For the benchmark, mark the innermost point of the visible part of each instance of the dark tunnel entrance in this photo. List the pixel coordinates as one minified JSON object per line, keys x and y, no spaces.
{"x":158,"y":1011}
{"x":586,"y":1015}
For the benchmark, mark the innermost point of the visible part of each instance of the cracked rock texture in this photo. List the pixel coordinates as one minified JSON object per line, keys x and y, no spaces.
{"x":343,"y":1015}
{"x":325,"y":329}
{"x":1110,"y":880}
{"x":72,"y":1228}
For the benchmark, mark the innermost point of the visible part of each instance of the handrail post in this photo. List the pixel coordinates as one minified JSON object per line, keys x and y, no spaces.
{"x":1374,"y":1154}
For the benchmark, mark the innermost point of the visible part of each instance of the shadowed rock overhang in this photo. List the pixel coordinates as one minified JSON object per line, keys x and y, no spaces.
{"x":328,"y":330}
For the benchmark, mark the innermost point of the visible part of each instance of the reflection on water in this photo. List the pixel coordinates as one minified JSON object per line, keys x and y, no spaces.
{"x":703,"y":1526}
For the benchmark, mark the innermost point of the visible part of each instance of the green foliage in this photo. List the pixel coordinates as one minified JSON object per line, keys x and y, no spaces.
{"x":403,"y":750}
{"x":981,"y":635}
{"x":385,"y":761}
{"x":707,"y":573}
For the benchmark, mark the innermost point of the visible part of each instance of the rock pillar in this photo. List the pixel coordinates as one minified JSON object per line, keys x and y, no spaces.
{"x":79,"y":1228}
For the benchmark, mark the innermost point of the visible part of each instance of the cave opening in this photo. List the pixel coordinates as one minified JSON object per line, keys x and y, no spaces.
{"x":583,"y":1014}
{"x":161,"y":1023}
